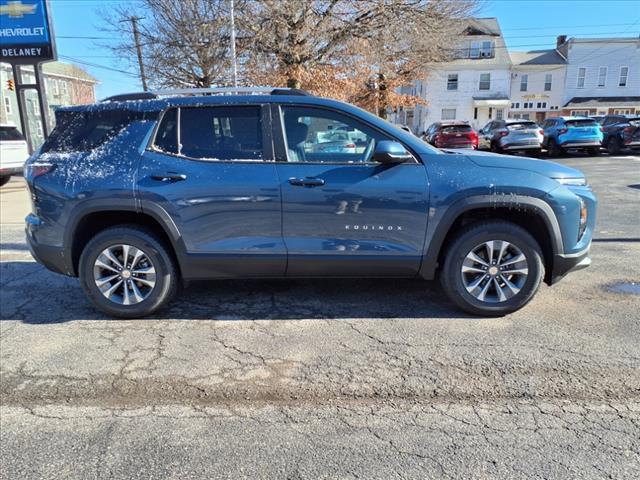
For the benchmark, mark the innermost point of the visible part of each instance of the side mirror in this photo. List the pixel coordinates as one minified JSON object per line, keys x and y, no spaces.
{"x":388,"y":152}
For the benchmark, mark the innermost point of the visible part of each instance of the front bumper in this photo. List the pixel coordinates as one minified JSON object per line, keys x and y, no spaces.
{"x":566,"y":263}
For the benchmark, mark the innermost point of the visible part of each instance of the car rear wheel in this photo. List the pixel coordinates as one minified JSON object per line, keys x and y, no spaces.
{"x":593,"y":151}
{"x":4,"y":179}
{"x":613,"y":146}
{"x":554,"y":149}
{"x":495,"y":148}
{"x":127,"y":272}
{"x":492,"y":269}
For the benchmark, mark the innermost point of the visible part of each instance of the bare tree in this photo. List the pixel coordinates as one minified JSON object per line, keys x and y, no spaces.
{"x":184,"y":43}
{"x":357,"y":50}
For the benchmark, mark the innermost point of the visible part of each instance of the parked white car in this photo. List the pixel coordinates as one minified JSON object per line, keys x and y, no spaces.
{"x":13,"y":152}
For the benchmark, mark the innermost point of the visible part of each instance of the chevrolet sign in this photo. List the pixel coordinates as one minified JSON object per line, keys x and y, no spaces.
{"x":25,"y":33}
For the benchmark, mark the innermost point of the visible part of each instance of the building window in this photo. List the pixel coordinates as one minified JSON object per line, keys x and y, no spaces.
{"x":474,"y":51}
{"x":56,"y":89}
{"x":524,"y":80}
{"x":539,"y":105}
{"x":452,"y":81}
{"x":448,"y":114}
{"x":487,"y":49}
{"x":579,"y":113}
{"x":624,"y":73}
{"x":499,"y":113}
{"x":547,"y":82}
{"x":485,"y":81}
{"x":517,"y":104}
{"x":622,"y":111}
{"x":525,"y":116}
{"x":582,"y":72}
{"x":63,"y":87}
{"x":7,"y":105}
{"x":544,"y":104}
{"x":602,"y":76}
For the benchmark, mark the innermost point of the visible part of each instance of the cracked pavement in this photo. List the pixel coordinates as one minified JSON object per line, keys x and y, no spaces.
{"x":328,"y":379}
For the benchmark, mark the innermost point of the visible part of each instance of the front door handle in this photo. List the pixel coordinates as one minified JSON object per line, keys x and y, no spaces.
{"x":306,"y":182}
{"x":169,"y":177}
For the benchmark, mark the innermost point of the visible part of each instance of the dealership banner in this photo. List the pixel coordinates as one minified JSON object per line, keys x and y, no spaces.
{"x":26,"y":36}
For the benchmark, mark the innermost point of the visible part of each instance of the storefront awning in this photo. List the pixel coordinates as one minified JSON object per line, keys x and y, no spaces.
{"x":491,"y":102}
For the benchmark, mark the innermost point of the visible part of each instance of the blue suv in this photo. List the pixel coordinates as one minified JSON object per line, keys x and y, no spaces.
{"x":141,"y":192}
{"x":563,"y":133}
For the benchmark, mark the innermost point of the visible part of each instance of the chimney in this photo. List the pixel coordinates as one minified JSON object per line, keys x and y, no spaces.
{"x":560,"y":40}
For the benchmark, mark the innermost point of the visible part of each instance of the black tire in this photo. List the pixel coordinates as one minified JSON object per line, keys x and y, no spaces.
{"x":468,"y":239}
{"x":593,"y":151}
{"x":613,"y":146}
{"x":554,"y":150}
{"x":495,"y":148}
{"x":166,"y":278}
{"x":4,"y":179}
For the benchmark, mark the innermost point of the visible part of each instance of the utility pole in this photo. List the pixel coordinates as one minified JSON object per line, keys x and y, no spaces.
{"x":136,"y":39}
{"x":233,"y":47}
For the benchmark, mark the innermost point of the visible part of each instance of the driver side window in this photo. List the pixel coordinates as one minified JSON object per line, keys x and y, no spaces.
{"x":317,"y":135}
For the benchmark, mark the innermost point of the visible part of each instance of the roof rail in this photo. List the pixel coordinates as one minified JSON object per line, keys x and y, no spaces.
{"x":206,"y":91}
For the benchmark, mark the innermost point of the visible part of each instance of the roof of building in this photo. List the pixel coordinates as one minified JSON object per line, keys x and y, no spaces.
{"x":67,"y":70}
{"x":604,"y":40}
{"x":602,"y":101}
{"x":537,"y":57}
{"x":483,"y":27}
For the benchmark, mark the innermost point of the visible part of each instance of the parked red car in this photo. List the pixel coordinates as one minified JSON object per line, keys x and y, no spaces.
{"x":451,"y":135}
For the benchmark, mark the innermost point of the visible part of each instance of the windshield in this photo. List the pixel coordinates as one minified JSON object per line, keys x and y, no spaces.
{"x":8,"y":134}
{"x":456,"y":129}
{"x":586,"y":122}
{"x":522,"y":126}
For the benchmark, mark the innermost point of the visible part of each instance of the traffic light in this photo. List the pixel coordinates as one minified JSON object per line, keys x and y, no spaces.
{"x":10,"y":85}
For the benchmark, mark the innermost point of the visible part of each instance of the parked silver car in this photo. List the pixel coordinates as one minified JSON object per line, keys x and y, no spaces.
{"x":511,"y":135}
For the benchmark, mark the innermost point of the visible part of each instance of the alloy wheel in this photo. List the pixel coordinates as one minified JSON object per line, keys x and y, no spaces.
{"x":494,"y":271}
{"x":124,"y":274}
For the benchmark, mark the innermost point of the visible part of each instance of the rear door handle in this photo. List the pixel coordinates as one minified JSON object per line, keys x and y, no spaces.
{"x":169,"y":177}
{"x":306,"y":182}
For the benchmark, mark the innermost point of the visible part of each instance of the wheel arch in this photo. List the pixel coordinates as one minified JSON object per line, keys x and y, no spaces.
{"x":540,"y":221}
{"x":92,"y":219}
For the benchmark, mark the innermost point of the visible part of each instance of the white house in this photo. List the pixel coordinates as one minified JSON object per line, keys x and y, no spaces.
{"x":537,"y":84}
{"x":603,"y":76}
{"x":474,"y":87}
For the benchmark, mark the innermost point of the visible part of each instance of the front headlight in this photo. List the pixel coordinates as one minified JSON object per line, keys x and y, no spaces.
{"x":576,"y":182}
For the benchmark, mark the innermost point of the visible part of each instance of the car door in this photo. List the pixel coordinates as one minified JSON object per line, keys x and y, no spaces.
{"x":484,"y":139}
{"x":210,"y":172}
{"x":344,"y":215}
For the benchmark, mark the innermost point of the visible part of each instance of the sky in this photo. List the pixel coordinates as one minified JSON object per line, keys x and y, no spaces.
{"x":526,"y":25}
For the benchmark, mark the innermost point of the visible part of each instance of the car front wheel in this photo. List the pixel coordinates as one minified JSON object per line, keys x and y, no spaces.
{"x":4,"y":179}
{"x":127,"y":272}
{"x":613,"y":146}
{"x":492,"y":269}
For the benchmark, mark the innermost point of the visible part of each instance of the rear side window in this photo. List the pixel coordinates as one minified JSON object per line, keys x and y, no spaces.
{"x":456,"y":129}
{"x":81,"y":131}
{"x":586,"y":122}
{"x":221,"y":133}
{"x":167,"y":135}
{"x":10,"y":134}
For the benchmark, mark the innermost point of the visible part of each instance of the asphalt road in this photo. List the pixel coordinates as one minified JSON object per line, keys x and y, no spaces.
{"x":328,"y":379}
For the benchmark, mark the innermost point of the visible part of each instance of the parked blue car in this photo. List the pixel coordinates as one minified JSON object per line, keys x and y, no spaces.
{"x":563,"y":133}
{"x":140,"y":192}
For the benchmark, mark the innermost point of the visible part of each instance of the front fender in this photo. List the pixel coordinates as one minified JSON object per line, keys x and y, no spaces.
{"x":440,"y":223}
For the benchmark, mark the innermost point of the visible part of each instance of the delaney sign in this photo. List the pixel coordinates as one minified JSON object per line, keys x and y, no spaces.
{"x":25,"y":33}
